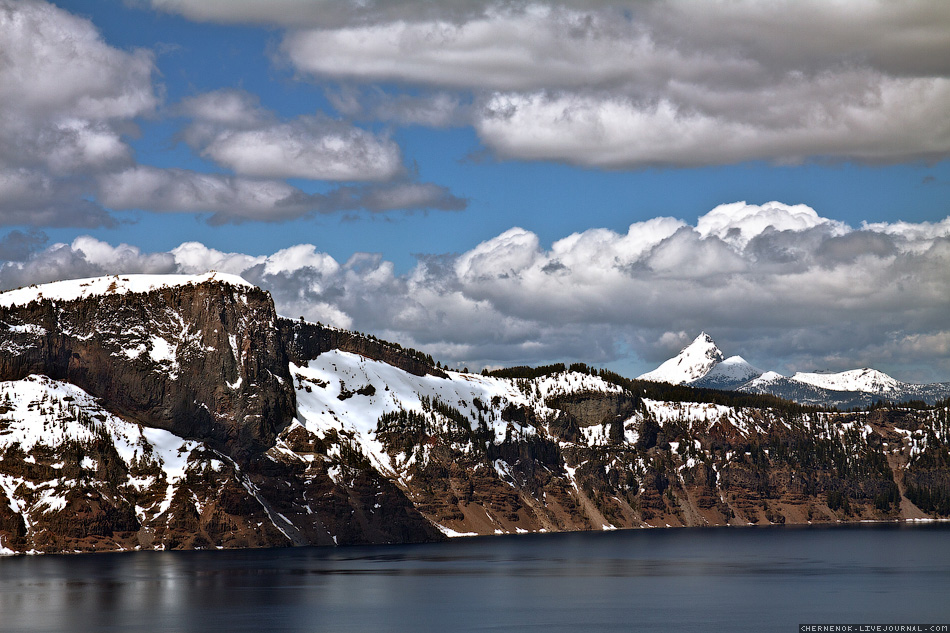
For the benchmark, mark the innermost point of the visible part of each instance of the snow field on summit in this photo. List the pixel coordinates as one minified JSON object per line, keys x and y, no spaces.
{"x":73,"y":289}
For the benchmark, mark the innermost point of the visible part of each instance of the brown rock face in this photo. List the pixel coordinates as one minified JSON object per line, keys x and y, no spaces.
{"x":203,"y":360}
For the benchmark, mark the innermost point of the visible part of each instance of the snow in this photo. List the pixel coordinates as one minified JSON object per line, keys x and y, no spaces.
{"x":449,"y":532}
{"x":29,"y":328}
{"x":733,"y":369}
{"x":700,"y":416}
{"x":765,"y":379}
{"x":164,"y":353}
{"x":693,"y":362}
{"x":43,"y":412}
{"x":321,"y":382}
{"x":73,"y":289}
{"x":161,"y":351}
{"x":596,"y":435}
{"x":134,"y":352}
{"x":854,"y":380}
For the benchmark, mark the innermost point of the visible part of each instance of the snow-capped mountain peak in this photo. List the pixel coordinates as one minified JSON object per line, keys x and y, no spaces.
{"x":701,"y":364}
{"x":765,"y":379}
{"x":693,"y":362}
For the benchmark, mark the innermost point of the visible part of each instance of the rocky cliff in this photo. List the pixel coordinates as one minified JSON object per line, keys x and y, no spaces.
{"x":201,"y":358}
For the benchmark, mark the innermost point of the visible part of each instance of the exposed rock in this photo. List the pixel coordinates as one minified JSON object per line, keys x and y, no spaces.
{"x":202,"y":360}
{"x":305,"y":341}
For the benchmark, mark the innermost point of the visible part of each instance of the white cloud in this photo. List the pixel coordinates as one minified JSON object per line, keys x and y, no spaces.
{"x":231,"y":198}
{"x":68,"y":98}
{"x":235,"y":199}
{"x":738,"y":222}
{"x":231,"y":129}
{"x":56,"y":64}
{"x":842,"y":298}
{"x":122,"y":257}
{"x":881,"y":119}
{"x":306,"y":149}
{"x":437,"y":109}
{"x":619,"y":84}
{"x":225,"y":107}
{"x":194,"y":258}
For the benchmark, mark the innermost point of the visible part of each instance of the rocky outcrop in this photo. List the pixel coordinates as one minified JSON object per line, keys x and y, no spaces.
{"x":305,"y":341}
{"x":202,"y":360}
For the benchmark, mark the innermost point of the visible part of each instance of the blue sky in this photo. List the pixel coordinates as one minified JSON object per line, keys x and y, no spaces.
{"x":438,"y":173}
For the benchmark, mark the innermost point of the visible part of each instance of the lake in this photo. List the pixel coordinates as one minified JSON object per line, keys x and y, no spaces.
{"x":695,"y":579}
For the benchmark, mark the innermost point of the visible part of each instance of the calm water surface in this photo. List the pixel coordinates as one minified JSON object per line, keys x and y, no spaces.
{"x":721,"y":579}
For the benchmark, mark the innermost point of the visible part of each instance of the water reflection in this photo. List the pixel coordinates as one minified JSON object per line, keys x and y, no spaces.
{"x":670,"y":580}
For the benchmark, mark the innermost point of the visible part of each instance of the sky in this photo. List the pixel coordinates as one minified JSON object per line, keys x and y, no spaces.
{"x":502,"y":183}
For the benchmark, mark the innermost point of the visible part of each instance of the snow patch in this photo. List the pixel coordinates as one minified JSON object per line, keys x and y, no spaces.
{"x":449,"y":532}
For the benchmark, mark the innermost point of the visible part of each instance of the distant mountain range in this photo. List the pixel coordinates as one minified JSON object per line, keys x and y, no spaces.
{"x":702,"y":364}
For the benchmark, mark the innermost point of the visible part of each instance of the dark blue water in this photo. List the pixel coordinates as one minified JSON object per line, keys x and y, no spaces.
{"x":723,"y":579}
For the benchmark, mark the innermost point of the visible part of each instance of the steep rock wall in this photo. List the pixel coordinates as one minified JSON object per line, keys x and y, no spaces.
{"x":203,"y":361}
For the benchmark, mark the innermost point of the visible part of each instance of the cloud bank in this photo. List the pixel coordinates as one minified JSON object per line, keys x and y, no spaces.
{"x":68,"y":98}
{"x":637,"y":84}
{"x":782,"y":285}
{"x":71,"y":103}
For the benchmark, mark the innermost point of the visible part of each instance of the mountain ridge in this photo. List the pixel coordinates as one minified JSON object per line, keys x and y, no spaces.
{"x":702,"y":364}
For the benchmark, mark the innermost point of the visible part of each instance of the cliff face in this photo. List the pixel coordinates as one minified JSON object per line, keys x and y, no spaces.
{"x":572,"y":451}
{"x":581,"y":465}
{"x":75,"y":477}
{"x":202,"y":360}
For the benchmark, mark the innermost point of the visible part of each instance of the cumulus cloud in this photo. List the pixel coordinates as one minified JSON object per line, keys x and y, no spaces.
{"x":738,"y":223}
{"x":68,"y":100}
{"x":231,"y":129}
{"x":882,"y":120}
{"x":625,"y":84}
{"x":835,"y":297}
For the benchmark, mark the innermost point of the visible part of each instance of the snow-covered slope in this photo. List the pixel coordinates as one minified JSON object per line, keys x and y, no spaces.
{"x":729,"y":374}
{"x":866,"y":379}
{"x":68,"y":462}
{"x":73,"y":289}
{"x":346,"y":441}
{"x":692,"y":363}
{"x":350,"y":393}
